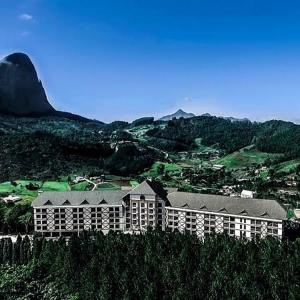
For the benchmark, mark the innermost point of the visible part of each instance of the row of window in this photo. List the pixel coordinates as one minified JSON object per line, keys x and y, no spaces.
{"x":191,"y":217}
{"x":80,"y":227}
{"x":79,"y":209}
{"x":150,"y":204}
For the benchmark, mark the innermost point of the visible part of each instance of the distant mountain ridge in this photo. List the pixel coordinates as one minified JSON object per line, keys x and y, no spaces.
{"x":182,"y":114}
{"x":177,"y":115}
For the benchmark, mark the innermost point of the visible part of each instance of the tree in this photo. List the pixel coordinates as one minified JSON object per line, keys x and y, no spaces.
{"x":26,"y":220}
{"x":160,"y":169}
{"x":7,"y":251}
{"x":16,"y":250}
{"x":25,"y":251}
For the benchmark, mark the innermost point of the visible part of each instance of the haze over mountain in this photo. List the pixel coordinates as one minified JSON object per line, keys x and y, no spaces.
{"x":21,"y":92}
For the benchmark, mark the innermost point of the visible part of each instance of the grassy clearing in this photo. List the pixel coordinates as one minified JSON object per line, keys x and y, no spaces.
{"x":169,"y":168}
{"x":202,"y":148}
{"x":244,"y":158}
{"x":287,"y":167}
{"x":19,"y":187}
{"x":55,"y":186}
{"x":108,"y":186}
{"x":81,"y":186}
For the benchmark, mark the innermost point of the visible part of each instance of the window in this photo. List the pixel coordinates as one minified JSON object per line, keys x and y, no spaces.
{"x":142,"y":204}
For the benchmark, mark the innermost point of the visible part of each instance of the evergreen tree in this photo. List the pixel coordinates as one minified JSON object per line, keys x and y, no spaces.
{"x":7,"y":251}
{"x":17,"y":250}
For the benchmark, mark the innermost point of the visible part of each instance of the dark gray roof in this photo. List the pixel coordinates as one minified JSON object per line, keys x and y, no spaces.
{"x":149,"y":187}
{"x":77,"y":198}
{"x":269,"y":209}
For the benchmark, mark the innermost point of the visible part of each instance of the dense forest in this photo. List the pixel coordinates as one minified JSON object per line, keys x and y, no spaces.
{"x":157,"y":265}
{"x":272,"y":136}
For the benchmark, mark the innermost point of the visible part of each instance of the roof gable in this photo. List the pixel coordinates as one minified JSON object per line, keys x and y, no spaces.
{"x":67,"y":202}
{"x":84,"y":202}
{"x":103,"y":201}
{"x":148,"y":187}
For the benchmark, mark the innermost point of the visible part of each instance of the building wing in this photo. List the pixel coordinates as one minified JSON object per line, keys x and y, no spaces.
{"x":229,"y":205}
{"x":75,"y":198}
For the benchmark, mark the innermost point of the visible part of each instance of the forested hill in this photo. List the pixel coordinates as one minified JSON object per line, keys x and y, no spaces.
{"x":47,"y":147}
{"x":271,"y":136}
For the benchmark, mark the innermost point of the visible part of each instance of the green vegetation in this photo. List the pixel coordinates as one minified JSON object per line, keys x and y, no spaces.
{"x":157,"y":265}
{"x":244,"y":158}
{"x":158,"y":168}
{"x":108,"y":186}
{"x":55,"y":186}
{"x":134,"y":183}
{"x":288,"y":167}
{"x":81,"y":186}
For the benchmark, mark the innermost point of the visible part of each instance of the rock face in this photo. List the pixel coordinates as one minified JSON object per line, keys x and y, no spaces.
{"x":178,"y":114}
{"x":21,"y":92}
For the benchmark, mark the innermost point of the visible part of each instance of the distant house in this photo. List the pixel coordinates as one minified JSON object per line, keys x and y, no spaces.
{"x":11,"y":199}
{"x":297,"y":213}
{"x":247,"y":194}
{"x":218,"y":167}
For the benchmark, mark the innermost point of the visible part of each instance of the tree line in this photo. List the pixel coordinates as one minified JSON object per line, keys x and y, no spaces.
{"x":155,"y":265}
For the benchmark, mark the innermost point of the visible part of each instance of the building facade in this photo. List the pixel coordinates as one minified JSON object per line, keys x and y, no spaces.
{"x":65,"y":213}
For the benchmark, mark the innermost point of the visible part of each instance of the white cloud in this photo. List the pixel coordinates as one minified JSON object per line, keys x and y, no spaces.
{"x":26,"y":17}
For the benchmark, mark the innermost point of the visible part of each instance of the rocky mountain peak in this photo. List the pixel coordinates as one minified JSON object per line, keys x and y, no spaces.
{"x":21,"y":91}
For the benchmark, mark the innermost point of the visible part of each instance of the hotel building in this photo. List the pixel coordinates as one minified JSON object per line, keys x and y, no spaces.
{"x":149,"y":204}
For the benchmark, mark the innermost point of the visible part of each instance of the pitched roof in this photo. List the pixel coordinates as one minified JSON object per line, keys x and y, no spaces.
{"x":148,"y":187}
{"x":229,"y":205}
{"x":80,"y":198}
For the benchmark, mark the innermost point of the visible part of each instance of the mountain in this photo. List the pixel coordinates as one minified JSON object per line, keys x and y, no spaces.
{"x":177,"y":115}
{"x":21,"y":91}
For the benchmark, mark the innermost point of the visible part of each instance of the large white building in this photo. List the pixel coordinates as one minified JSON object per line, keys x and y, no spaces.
{"x":64,"y":213}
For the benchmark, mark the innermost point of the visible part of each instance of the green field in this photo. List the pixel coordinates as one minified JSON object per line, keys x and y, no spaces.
{"x":19,"y":188}
{"x":287,"y":167}
{"x":169,"y":168}
{"x":81,"y":186}
{"x":55,"y":186}
{"x":108,"y":186}
{"x":244,"y":158}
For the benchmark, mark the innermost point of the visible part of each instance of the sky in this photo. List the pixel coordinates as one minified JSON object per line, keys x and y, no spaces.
{"x":125,"y":59}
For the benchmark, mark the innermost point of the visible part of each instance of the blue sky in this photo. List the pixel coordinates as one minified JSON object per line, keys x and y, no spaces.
{"x":120,"y":60}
